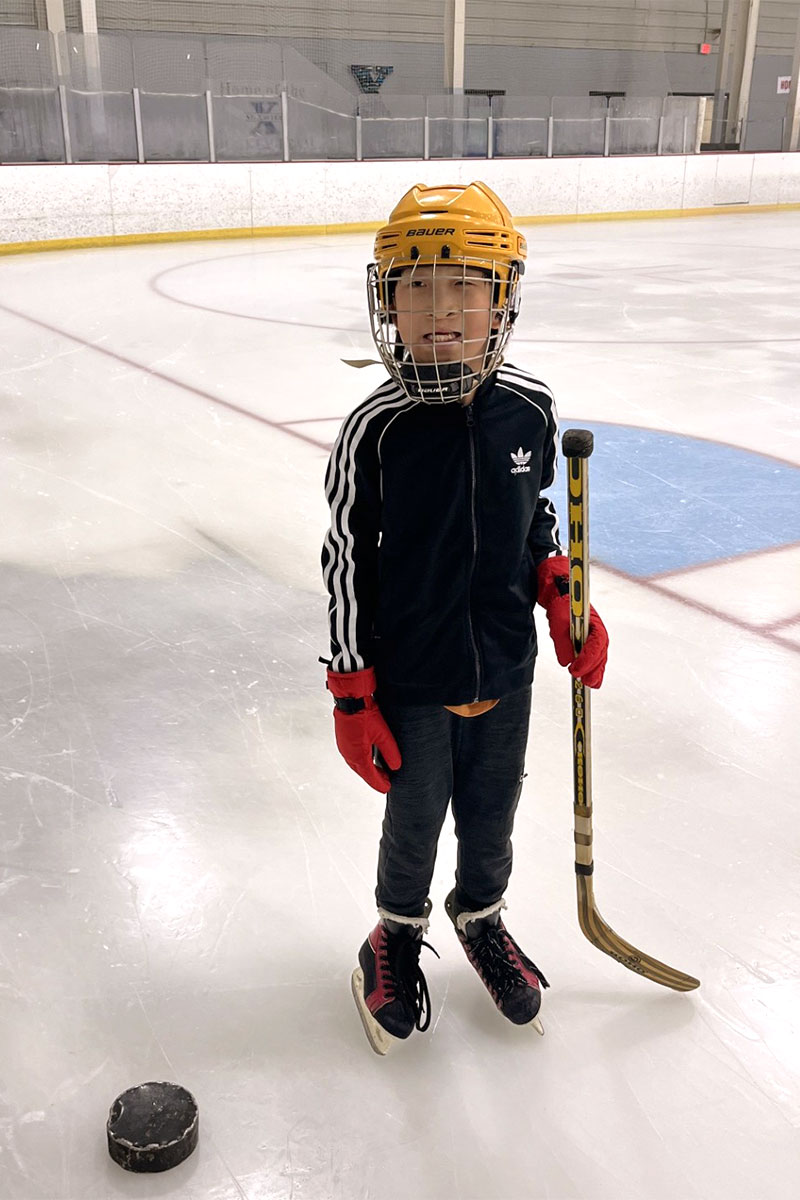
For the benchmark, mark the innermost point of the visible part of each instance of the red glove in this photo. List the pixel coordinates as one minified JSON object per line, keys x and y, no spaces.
{"x":360,"y":727}
{"x":553,"y":595}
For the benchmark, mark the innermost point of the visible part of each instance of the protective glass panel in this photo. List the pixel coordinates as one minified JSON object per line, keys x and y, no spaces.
{"x":30,"y":126}
{"x":679,"y":124}
{"x":633,"y":125}
{"x":27,"y":58}
{"x":392,"y":126}
{"x":458,"y":126}
{"x":578,"y":125}
{"x":241,"y":66}
{"x":319,"y":133}
{"x":175,"y":64}
{"x":102,"y":126}
{"x":248,"y":128}
{"x":103,"y":63}
{"x":174,"y":128}
{"x":520,"y":125}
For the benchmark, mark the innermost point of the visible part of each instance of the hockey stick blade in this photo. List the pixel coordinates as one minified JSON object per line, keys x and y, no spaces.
{"x":601,"y":935}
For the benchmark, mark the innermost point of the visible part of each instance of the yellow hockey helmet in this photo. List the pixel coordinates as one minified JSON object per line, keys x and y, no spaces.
{"x":467,"y":226}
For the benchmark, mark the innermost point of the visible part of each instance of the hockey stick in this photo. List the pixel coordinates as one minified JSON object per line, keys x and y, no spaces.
{"x":577,"y":445}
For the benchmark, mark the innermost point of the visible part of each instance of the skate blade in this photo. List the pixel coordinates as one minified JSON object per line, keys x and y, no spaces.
{"x":378,"y":1038}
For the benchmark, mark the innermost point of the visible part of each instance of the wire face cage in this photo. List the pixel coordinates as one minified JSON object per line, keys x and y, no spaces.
{"x":441,"y":324}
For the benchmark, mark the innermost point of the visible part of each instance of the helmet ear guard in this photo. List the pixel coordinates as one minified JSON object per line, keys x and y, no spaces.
{"x":467,"y":227}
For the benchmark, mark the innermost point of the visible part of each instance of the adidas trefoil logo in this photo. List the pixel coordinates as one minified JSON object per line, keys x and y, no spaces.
{"x":521,"y":460}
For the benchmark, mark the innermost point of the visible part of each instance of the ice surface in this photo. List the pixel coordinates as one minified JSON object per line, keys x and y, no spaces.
{"x":186,"y":866}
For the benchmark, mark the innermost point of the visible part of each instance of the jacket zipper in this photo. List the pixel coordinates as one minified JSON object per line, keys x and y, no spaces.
{"x":473,"y":472}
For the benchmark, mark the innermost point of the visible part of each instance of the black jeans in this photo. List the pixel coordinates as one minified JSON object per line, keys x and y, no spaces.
{"x":478,"y":763}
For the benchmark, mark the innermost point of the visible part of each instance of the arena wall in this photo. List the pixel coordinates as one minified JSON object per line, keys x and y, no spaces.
{"x":54,"y":205}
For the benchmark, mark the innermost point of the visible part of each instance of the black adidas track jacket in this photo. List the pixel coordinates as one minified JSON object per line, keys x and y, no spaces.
{"x":437,"y":527}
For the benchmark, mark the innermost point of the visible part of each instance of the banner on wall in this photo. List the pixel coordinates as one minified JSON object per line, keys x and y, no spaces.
{"x":370,"y":78}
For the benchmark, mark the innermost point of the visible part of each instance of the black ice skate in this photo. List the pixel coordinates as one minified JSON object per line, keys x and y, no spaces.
{"x":388,"y":985}
{"x":512,"y":980}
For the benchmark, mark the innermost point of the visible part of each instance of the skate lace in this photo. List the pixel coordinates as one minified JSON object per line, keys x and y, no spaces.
{"x":405,"y":975}
{"x":493,"y":952}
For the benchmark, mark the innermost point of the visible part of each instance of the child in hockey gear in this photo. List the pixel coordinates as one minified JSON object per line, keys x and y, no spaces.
{"x":388,"y":984}
{"x":441,"y":543}
{"x":512,"y":980}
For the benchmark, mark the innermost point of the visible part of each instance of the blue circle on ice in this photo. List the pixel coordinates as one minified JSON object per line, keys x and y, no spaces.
{"x":660,"y":502}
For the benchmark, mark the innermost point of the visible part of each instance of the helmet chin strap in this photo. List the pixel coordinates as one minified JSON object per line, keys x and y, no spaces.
{"x":437,"y":383}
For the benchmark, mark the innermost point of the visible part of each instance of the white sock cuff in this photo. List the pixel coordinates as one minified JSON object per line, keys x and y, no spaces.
{"x":463,"y":919}
{"x":420,"y":922}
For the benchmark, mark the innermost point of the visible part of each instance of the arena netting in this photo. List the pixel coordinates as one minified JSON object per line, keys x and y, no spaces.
{"x":167,"y":80}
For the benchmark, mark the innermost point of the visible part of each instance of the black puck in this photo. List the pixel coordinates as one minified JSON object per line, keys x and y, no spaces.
{"x":152,"y":1127}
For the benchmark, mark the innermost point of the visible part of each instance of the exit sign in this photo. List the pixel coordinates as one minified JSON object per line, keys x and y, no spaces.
{"x":705,"y":48}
